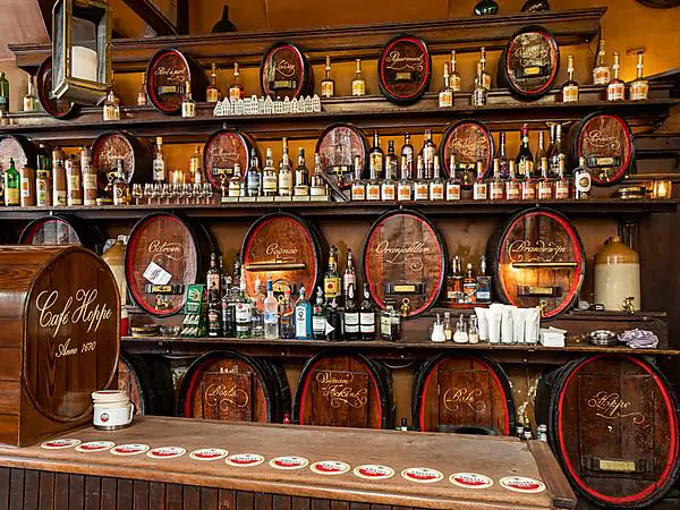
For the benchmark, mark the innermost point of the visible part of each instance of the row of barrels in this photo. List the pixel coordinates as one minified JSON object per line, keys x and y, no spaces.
{"x":612,"y":419}
{"x":538,"y":257}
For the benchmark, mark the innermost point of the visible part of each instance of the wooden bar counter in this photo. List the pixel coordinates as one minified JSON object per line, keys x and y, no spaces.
{"x":35,"y":477}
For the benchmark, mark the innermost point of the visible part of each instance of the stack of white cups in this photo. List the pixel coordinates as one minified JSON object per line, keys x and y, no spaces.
{"x":112,"y":410}
{"x":506,"y":324}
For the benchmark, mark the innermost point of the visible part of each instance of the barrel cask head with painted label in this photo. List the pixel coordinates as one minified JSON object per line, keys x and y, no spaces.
{"x":222,"y":151}
{"x":166,"y":77}
{"x":404,"y":69}
{"x":344,"y":390}
{"x":58,"y":230}
{"x":57,"y":108}
{"x":613,"y":425}
{"x":136,"y":153}
{"x":338,"y":146}
{"x":462,"y":393}
{"x":403,"y":259}
{"x":530,"y":62}
{"x":539,"y":260}
{"x":20,"y":149}
{"x":285,"y":72}
{"x":469,"y":141}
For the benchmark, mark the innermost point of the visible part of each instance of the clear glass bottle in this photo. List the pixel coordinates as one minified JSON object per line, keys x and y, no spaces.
{"x":188,"y":103}
{"x":639,"y":89}
{"x":601,"y":72}
{"x":141,"y":92}
{"x":301,"y":188}
{"x":332,"y":285}
{"x":235,"y":182}
{"x":285,"y":181}
{"x":528,"y":184}
{"x":616,"y":88}
{"x":555,"y":152}
{"x":376,"y":157}
{"x":540,"y":153}
{"x":367,"y":316}
{"x":195,"y":164}
{"x":254,"y":176}
{"x":461,"y":335}
{"x":212,"y":93}
{"x":271,"y":313}
{"x":236,"y":90}
{"x":351,"y":320}
{"x":483,"y":283}
{"x":405,"y":186}
{"x":480,"y":190}
{"x":524,"y":159}
{"x":486,"y":77}
{"x":318,"y":184}
{"x":421,"y":189}
{"x":358,"y":83}
{"x":349,"y":276}
{"x":448,"y":330}
{"x":327,"y":84}
{"x":286,"y":320}
{"x":455,"y":79}
{"x":388,"y":188}
{"x":243,"y":311}
{"x":269,"y":178}
{"x":120,"y":185}
{"x":562,"y":188}
{"x":497,"y":191}
{"x":358,"y":189}
{"x":159,"y":173}
{"x":257,"y":299}
{"x":437,"y":184}
{"x":373,"y":185}
{"x":570,"y":87}
{"x":428,"y":152}
{"x":111,"y":110}
{"x":453,"y":183}
{"x":473,"y":330}
{"x":30,"y":99}
{"x":582,"y":180}
{"x":544,"y":188}
{"x":502,"y":157}
{"x":478,"y":98}
{"x":446,"y":92}
{"x":303,"y":317}
{"x":407,"y":156}
{"x":512,"y":185}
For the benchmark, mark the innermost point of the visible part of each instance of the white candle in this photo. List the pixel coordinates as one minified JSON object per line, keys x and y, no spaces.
{"x":83,"y":63}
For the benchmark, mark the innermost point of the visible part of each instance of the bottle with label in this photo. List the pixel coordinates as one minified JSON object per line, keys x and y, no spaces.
{"x":453,"y":183}
{"x":449,"y":281}
{"x":254,"y":176}
{"x":502,"y":157}
{"x":351,"y":316}
{"x":421,"y":189}
{"x":269,"y":177}
{"x":318,"y":186}
{"x":480,"y":189}
{"x":4,"y":93}
{"x":367,"y":316}
{"x":319,"y":316}
{"x":470,"y":285}
{"x":228,"y":309}
{"x":333,"y":321}
{"x":301,"y":188}
{"x":349,"y":277}
{"x":271,"y":313}
{"x":483,"y":283}
{"x":555,"y":152}
{"x":478,"y":97}
{"x":74,"y":188}
{"x":27,"y":197}
{"x":12,"y":182}
{"x":448,"y":331}
{"x":89,"y":177}
{"x":236,"y":90}
{"x":303,"y":317}
{"x":486,"y":77}
{"x":243,"y":312}
{"x":388,"y":188}
{"x":195,"y":164}
{"x":58,"y":183}
{"x":524,"y":159}
{"x":120,"y":185}
{"x":30,"y":100}
{"x":455,"y":79}
{"x":111,"y":109}
{"x":407,"y":156}
{"x":373,"y":185}
{"x":570,"y":87}
{"x":285,"y":173}
{"x":582,"y":180}
{"x":512,"y":185}
{"x":358,"y":190}
{"x":235,"y":182}
{"x":428,"y":152}
{"x":639,"y":89}
{"x":257,"y":299}
{"x":436,"y":184}
{"x":43,"y":189}
{"x":141,"y":92}
{"x":358,"y":83}
{"x":528,"y":185}
{"x":404,"y":187}
{"x":616,"y":88}
{"x":562,"y":191}
{"x":188,"y":103}
{"x":601,"y":72}
{"x":457,"y":283}
{"x":212,"y":93}
{"x":376,"y":157}
{"x":214,"y":313}
{"x":473,"y":330}
{"x":544,"y":188}
{"x":331,"y":280}
{"x":327,"y":84}
{"x":159,"y":162}
{"x":497,"y":188}
{"x":446,"y":93}
{"x":540,"y":152}
{"x":437,"y":330}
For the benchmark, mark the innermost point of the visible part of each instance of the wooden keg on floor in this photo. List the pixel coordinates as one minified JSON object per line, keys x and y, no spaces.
{"x":60,"y":342}
{"x":227,"y":385}
{"x":344,"y":390}
{"x":613,"y":425}
{"x":62,"y":230}
{"x":148,"y":382}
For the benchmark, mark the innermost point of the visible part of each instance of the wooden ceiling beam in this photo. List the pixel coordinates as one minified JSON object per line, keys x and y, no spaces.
{"x":155,"y":18}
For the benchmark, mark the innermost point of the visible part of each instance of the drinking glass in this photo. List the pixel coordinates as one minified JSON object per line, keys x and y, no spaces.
{"x":137,"y":193}
{"x":149,"y":192}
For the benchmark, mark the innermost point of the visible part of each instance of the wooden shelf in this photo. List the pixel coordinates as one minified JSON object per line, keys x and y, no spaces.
{"x":593,"y":206}
{"x":341,"y":43}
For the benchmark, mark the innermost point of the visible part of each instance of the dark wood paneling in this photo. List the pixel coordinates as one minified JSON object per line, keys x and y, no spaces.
{"x":47,"y":491}
{"x":16,"y":489}
{"x":31,"y":489}
{"x":93,"y":493}
{"x":109,"y":496}
{"x":141,"y":495}
{"x":76,"y":492}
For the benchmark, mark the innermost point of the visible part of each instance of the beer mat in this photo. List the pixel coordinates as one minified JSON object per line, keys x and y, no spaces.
{"x":127,"y":450}
{"x":60,"y":444}
{"x":208,"y":454}
{"x":471,"y":480}
{"x":522,"y":484}
{"x":95,"y":446}
{"x":422,"y":475}
{"x":288,"y":462}
{"x":166,"y":452}
{"x":245,"y":460}
{"x":330,"y":467}
{"x":374,"y":472}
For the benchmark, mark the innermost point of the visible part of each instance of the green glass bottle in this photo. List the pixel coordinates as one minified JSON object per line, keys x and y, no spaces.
{"x":486,"y":8}
{"x":4,"y":93}
{"x":12,"y":185}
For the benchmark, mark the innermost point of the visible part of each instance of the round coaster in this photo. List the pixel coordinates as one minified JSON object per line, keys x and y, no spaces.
{"x":330,"y":467}
{"x":422,"y":475}
{"x":127,"y":450}
{"x":60,"y":444}
{"x":245,"y":460}
{"x":288,"y":462}
{"x":522,"y":484}
{"x":95,"y":446}
{"x":208,"y":454}
{"x":374,"y":472}
{"x":471,"y":480}
{"x":166,"y":452}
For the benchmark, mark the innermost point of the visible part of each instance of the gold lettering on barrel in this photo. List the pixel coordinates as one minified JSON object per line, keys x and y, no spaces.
{"x":397,"y":62}
{"x":600,"y":140}
{"x":88,"y":311}
{"x":611,"y":407}
{"x":524,"y":250}
{"x":411,"y":255}
{"x":456,"y":397}
{"x":218,"y":395}
{"x":286,"y":68}
{"x":336,"y":387}
{"x":173,"y":251}
{"x":275,"y":249}
{"x":171,"y":75}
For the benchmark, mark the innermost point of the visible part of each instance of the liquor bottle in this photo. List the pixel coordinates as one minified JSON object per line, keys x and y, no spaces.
{"x":421,"y":189}
{"x":478,"y":97}
{"x":562,"y":183}
{"x":358,"y":83}
{"x":486,"y":77}
{"x":269,"y":177}
{"x":448,"y":332}
{"x":212,"y":93}
{"x":236,"y":90}
{"x":455,"y":79}
{"x":616,"y":88}
{"x":74,"y":183}
{"x":58,"y":183}
{"x":528,"y":434}
{"x":404,"y":187}
{"x":27,"y":180}
{"x":407,"y":156}
{"x":141,"y":93}
{"x":257,"y":299}
{"x":235,"y":182}
{"x":524,"y":159}
{"x":544,"y":189}
{"x":601,"y":72}
{"x":331,"y":280}
{"x":453,"y":183}
{"x":502,"y":157}
{"x":303,"y":317}
{"x":446,"y":92}
{"x":528,"y":184}
{"x":271,"y":313}
{"x":376,"y":157}
{"x":334,"y":322}
{"x":349,"y":276}
{"x":555,"y":152}
{"x":451,"y":293}
{"x":540,"y":152}
{"x":4,"y":95}
{"x":367,"y":316}
{"x":520,"y":427}
{"x":351,"y":316}
{"x":457,"y":294}
{"x":188,"y":103}
{"x":512,"y":185}
{"x":243,"y":311}
{"x":43,"y":186}
{"x":30,"y":100}
{"x":111,"y":109}
{"x":214,"y":313}
{"x":318,"y":186}
{"x":542,"y":433}
{"x":120,"y":185}
{"x":479,"y":189}
{"x":285,"y":173}
{"x":497,"y":187}
{"x":373,"y":185}
{"x":639,"y":88}
{"x":483,"y":283}
{"x":301,"y":188}
{"x":358,"y":190}
{"x":582,"y":180}
{"x":428,"y":152}
{"x":388,"y":189}
{"x":570,"y":87}
{"x":254,"y":176}
{"x":319,"y":316}
{"x":12,"y":182}
{"x":159,"y":162}
{"x":228,"y":310}
{"x":89,"y":177}
{"x":327,"y":84}
{"x":195,"y":171}
{"x":436,"y":184}
{"x":470,"y":285}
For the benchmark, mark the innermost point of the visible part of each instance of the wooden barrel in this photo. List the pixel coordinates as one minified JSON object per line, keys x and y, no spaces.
{"x":404,"y":257}
{"x":148,"y":382}
{"x":62,"y":230}
{"x":60,"y":318}
{"x":285,"y":72}
{"x":606,"y":141}
{"x":136,"y":153}
{"x":338,"y":145}
{"x":538,"y":260}
{"x":530,"y":62}
{"x":57,"y":108}
{"x":174,"y":253}
{"x":20,"y":149}
{"x":227,"y":385}
{"x":456,"y":392}
{"x":166,"y":76}
{"x":470,"y":141}
{"x":404,"y":69}
{"x":285,"y":246}
{"x":224,"y":148}
{"x":613,"y":425}
{"x":344,"y":390}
